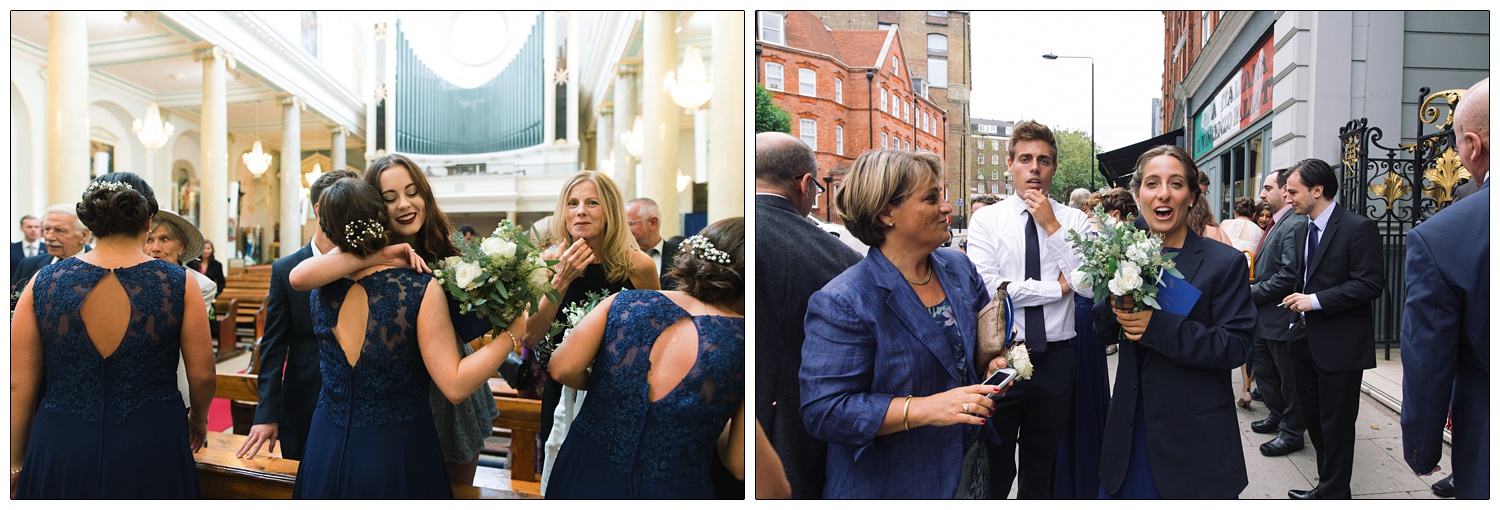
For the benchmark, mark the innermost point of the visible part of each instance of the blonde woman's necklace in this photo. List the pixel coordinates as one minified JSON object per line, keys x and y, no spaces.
{"x":923,"y":281}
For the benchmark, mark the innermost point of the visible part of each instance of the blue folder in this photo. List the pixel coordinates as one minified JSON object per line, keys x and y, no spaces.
{"x":1176,"y":295}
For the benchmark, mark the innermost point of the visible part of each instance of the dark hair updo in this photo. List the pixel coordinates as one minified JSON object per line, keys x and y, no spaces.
{"x":715,"y":282}
{"x":352,"y":215}
{"x":109,"y":209}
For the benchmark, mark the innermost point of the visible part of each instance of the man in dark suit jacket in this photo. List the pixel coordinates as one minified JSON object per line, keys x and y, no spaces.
{"x":794,"y":258}
{"x":1445,"y":330}
{"x":645,"y":225}
{"x":1334,"y":338}
{"x":289,"y":376}
{"x":1275,"y":277}
{"x":31,"y":246}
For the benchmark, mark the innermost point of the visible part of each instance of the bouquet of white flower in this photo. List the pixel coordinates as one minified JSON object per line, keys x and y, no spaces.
{"x":497,"y":277}
{"x":570,"y":317}
{"x":1019,"y":358}
{"x":1126,"y":260}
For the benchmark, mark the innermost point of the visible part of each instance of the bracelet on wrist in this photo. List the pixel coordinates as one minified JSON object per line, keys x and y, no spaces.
{"x":905,"y":425}
{"x":15,"y":471}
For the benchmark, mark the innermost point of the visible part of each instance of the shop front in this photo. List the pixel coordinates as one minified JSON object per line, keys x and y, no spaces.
{"x":1231,"y":132}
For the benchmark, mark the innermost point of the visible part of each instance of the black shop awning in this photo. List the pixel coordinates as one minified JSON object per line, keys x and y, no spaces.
{"x":1118,"y":165}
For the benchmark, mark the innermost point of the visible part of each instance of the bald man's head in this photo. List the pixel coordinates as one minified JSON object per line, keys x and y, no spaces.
{"x":782,"y":163}
{"x":1471,"y":129}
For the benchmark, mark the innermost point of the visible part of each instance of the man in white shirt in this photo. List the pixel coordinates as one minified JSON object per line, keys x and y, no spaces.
{"x":31,"y":229}
{"x":645,"y":225}
{"x":1022,"y":244}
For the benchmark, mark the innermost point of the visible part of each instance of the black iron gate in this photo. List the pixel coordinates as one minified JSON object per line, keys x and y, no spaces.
{"x":1380,"y":187}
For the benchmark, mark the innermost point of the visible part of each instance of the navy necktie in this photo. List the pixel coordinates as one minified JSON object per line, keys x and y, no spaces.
{"x":1312,"y":250}
{"x":1036,"y":323}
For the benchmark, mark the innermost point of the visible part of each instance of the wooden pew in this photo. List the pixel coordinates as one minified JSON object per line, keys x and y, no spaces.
{"x":269,"y":476}
{"x":521,"y":419}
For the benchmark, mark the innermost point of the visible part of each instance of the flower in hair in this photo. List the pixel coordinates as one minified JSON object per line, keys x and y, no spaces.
{"x":359,"y":231}
{"x":109,"y":185}
{"x":702,"y":248}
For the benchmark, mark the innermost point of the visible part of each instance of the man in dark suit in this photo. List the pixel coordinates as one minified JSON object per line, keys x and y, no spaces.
{"x":1275,"y":277}
{"x":64,"y":236}
{"x":1333,"y":338}
{"x":1445,"y":330}
{"x":31,"y":246}
{"x":645,"y":225}
{"x":794,"y":258}
{"x":289,"y":376}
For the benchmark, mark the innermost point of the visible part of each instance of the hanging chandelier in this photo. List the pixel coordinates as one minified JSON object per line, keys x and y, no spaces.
{"x":152,"y":131}
{"x":690,"y":85}
{"x":635,"y":139}
{"x":257,"y":160}
{"x":313,"y":176}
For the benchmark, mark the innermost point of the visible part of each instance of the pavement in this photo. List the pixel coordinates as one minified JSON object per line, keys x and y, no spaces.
{"x":1380,"y":472}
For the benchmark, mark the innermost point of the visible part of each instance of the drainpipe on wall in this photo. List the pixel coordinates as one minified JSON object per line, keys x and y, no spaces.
{"x":869,"y":103}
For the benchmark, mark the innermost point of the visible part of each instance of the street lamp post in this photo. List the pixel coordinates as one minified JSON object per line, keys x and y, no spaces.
{"x":1092,"y":135}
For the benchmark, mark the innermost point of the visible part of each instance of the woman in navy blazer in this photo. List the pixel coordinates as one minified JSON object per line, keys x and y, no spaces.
{"x":1171,"y":430}
{"x":888,"y":374}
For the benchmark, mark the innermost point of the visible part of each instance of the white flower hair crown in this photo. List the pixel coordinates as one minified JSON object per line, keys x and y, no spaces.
{"x":700,"y":247}
{"x":359,"y":231}
{"x":109,"y":185}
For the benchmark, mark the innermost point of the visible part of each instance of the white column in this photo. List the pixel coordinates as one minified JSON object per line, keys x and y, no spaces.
{"x":390,"y":89}
{"x":662,"y":118}
{"x":626,"y":109}
{"x":68,"y":171}
{"x":376,"y":91}
{"x":291,"y":174}
{"x":340,"y":159}
{"x":574,"y":41}
{"x":604,"y":141}
{"x":726,"y":131}
{"x":549,"y":66}
{"x":214,"y":123}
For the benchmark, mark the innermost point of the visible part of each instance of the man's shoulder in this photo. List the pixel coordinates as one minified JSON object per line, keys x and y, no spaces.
{"x":285,"y":264}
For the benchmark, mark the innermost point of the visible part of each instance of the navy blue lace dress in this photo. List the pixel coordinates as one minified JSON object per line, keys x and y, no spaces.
{"x":622,"y":445}
{"x":372,"y":434}
{"x":109,"y":427}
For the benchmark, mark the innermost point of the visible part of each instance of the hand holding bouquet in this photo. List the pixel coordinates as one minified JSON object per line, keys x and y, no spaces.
{"x":569,"y":319}
{"x":1124,"y":259}
{"x":497,"y":277}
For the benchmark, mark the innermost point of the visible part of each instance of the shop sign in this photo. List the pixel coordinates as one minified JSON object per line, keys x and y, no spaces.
{"x":1244,"y":99}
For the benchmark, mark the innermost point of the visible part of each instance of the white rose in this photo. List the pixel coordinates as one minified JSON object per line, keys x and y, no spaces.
{"x":468,"y":275}
{"x":451,"y":262}
{"x":498,"y":249}
{"x":1019,"y":358}
{"x":1128,"y":278}
{"x":539,"y":278}
{"x":1080,"y":279}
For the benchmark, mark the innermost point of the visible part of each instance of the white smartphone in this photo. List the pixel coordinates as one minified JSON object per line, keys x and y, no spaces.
{"x":1000,"y":378}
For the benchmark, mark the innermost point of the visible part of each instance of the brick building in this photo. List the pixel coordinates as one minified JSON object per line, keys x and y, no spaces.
{"x":1187,"y":32}
{"x":988,"y":141}
{"x":847,"y":91}
{"x":938,"y":44}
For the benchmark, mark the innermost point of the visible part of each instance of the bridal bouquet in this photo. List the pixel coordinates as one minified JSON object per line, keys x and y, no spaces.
{"x":1126,"y":260}
{"x":570,"y":317}
{"x":497,"y":277}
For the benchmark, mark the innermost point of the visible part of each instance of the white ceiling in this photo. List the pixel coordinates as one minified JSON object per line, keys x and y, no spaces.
{"x":135,"y":48}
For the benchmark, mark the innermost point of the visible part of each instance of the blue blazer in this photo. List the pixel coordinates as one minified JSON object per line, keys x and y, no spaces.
{"x":1445,"y":343}
{"x":1183,"y":380}
{"x":870,"y":341}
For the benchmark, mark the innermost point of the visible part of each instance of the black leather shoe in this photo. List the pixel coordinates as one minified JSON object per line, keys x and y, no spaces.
{"x":1444,"y":488}
{"x":1301,"y":494}
{"x":1265,"y":426}
{"x":1280,"y":446}
{"x":1255,"y":394}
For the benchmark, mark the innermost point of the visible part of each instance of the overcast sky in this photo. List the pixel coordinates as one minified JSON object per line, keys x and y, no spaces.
{"x":1012,"y":81}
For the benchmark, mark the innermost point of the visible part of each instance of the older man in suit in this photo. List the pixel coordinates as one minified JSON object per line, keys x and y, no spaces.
{"x":289,"y":393}
{"x":64,"y":235}
{"x":645,"y":226}
{"x":794,"y":259}
{"x":1445,"y":331}
{"x":1333,"y":338}
{"x":1275,"y":277}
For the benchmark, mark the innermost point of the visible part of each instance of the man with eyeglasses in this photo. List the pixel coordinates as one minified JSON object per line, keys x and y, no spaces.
{"x":644,"y":219}
{"x":794,"y":258}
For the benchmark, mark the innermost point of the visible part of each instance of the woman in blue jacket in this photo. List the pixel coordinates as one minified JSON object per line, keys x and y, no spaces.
{"x":888,"y":375}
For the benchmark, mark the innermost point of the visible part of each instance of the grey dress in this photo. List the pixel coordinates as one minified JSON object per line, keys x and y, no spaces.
{"x":463,"y":428}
